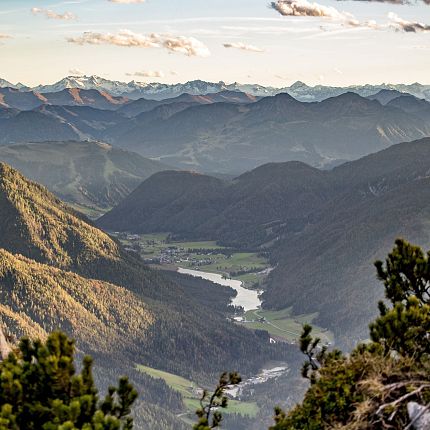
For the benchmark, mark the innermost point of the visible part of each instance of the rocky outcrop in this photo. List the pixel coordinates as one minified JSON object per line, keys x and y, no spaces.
{"x":419,"y":416}
{"x":5,"y":349}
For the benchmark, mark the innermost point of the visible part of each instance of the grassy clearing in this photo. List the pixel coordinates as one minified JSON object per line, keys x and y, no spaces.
{"x":91,"y":212}
{"x":156,"y":249}
{"x":283,"y":324}
{"x":190,"y":393}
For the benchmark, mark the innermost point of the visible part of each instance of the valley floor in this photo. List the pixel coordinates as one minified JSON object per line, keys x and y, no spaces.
{"x":206,"y":257}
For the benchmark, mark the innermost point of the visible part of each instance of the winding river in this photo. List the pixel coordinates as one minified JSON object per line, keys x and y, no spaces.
{"x":248,"y":299}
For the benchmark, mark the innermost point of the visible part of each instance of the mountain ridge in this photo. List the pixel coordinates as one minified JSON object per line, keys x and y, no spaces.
{"x":91,"y":175}
{"x":158,"y":90}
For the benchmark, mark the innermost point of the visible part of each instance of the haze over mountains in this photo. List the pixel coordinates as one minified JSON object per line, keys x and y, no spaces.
{"x":323,"y":229}
{"x":218,"y":131}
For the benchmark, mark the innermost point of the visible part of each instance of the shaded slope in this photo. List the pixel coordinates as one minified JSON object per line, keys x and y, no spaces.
{"x":229,"y":137}
{"x":246,"y":212}
{"x":32,"y":126}
{"x":165,"y":202}
{"x":323,"y":229}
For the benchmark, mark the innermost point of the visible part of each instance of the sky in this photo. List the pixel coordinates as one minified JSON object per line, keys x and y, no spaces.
{"x":326,"y":42}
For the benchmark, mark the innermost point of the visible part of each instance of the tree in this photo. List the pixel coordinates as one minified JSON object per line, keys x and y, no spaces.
{"x":40,"y":389}
{"x":370,"y":388}
{"x":209,"y":415}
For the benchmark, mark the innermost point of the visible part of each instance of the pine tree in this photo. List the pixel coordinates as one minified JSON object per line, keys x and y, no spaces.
{"x":40,"y":389}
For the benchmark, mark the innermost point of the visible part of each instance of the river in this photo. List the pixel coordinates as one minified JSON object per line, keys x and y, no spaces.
{"x":248,"y":299}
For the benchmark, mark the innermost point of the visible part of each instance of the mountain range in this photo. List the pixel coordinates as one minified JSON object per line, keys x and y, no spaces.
{"x":231,"y":137}
{"x":159,"y":91}
{"x":322,"y":229}
{"x":227,"y":132}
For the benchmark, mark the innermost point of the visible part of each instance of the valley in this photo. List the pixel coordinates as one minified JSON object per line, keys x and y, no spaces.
{"x":244,"y":272}
{"x":161,"y":251}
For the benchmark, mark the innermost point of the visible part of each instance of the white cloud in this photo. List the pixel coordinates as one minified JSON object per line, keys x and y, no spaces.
{"x":148,"y":74}
{"x":76,"y":72}
{"x":185,"y":45}
{"x":50,"y":14}
{"x":243,"y":47}
{"x":304,"y":8}
{"x":401,"y":24}
{"x":122,"y":38}
{"x":4,"y":36}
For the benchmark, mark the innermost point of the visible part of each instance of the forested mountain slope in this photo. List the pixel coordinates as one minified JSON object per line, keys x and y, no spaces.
{"x":57,"y":271}
{"x":323,"y":229}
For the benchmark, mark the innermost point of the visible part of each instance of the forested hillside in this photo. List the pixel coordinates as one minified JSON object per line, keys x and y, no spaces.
{"x":323,"y":229}
{"x":64,"y":279}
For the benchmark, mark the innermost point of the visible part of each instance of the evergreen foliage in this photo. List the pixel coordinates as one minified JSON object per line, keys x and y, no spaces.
{"x":370,"y":388}
{"x":209,"y":414}
{"x":40,"y":389}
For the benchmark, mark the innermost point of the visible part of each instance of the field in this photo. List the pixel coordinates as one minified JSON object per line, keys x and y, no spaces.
{"x":190,"y":393}
{"x":282,"y":324}
{"x":158,"y":250}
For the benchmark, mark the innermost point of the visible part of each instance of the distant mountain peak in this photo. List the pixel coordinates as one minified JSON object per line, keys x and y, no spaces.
{"x":298,"y":84}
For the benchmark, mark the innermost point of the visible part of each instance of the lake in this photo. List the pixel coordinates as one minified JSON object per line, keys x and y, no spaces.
{"x":248,"y":299}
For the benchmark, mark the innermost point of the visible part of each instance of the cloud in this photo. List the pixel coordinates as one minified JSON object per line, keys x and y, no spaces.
{"x":4,"y":36}
{"x":401,"y":24}
{"x":148,"y":74}
{"x":76,"y":72}
{"x":243,"y":47}
{"x":122,"y":38}
{"x":304,"y":8}
{"x":185,"y":45}
{"x":50,"y":14}
{"x":127,"y":1}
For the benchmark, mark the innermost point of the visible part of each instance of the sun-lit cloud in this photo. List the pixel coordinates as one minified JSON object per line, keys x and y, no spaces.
{"x":122,"y":38}
{"x":148,"y":74}
{"x":4,"y":36}
{"x":401,"y":24}
{"x":50,"y":14}
{"x":304,"y":8}
{"x":243,"y":47}
{"x":76,"y":72}
{"x":184,"y":45}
